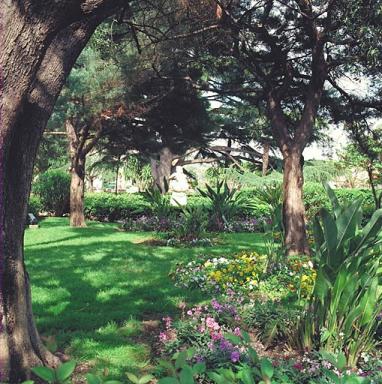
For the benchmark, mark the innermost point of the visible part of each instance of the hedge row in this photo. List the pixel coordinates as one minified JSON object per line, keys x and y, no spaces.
{"x":110,"y":207}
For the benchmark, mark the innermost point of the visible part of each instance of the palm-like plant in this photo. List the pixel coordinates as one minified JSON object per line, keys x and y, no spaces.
{"x":225,"y":203}
{"x":346,"y":300}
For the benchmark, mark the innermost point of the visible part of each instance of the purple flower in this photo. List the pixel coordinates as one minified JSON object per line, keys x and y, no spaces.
{"x":199,"y":359}
{"x":235,"y":356}
{"x":225,"y":345}
{"x":216,"y":305}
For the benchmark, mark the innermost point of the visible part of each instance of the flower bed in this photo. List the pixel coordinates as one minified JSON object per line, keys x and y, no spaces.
{"x":248,"y":272}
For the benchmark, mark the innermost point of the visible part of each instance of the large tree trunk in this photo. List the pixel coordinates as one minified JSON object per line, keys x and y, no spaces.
{"x":293,"y":205}
{"x":162,"y":169}
{"x":77,"y":156}
{"x":41,"y":41}
{"x":265,"y":167}
{"x":77,"y":194}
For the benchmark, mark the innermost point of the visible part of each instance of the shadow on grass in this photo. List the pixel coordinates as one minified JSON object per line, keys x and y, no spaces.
{"x":91,"y":284}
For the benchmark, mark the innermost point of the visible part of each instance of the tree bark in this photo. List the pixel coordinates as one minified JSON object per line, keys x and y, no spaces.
{"x":77,"y":156}
{"x":41,"y":41}
{"x":265,"y":164}
{"x":162,"y":169}
{"x":377,"y":201}
{"x":116,"y":177}
{"x":293,"y":205}
{"x":77,"y":193}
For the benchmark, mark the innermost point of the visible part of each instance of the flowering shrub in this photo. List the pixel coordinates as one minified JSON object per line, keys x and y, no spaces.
{"x":248,"y":272}
{"x":210,"y":339}
{"x":198,"y":242}
{"x":247,"y":224}
{"x":240,"y":272}
{"x":207,"y":330}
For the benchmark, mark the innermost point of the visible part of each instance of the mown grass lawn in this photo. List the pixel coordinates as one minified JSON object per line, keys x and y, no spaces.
{"x":92,"y":288}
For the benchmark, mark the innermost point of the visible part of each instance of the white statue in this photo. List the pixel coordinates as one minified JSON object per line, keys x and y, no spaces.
{"x":178,"y":187}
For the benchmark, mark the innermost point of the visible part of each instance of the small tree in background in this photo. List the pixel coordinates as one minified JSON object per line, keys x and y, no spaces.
{"x":365,"y":153}
{"x":89,"y":99}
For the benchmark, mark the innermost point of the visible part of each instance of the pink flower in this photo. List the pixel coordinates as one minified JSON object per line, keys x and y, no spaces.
{"x":298,"y":366}
{"x":212,"y":324}
{"x":168,"y":321}
{"x":237,"y":331}
{"x":163,"y":337}
{"x":216,"y":336}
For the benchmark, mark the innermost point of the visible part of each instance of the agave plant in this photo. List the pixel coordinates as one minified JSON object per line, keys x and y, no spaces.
{"x":346,"y":302}
{"x":225,"y":203}
{"x":160,"y":203}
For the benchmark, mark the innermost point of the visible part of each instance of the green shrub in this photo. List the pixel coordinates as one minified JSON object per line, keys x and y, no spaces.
{"x":196,"y":200}
{"x":111,"y":207}
{"x":225,"y":203}
{"x":315,"y":198}
{"x":53,"y":188}
{"x":273,"y":321}
{"x":192,"y":224}
{"x":34,"y":205}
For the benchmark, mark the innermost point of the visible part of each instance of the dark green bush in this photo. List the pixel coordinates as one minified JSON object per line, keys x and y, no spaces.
{"x":111,"y":207}
{"x":316,"y":198}
{"x":53,"y":188}
{"x":34,"y":205}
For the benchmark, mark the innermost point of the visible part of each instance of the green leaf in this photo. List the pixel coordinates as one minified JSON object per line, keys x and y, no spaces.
{"x":330,"y":234}
{"x":216,"y":378}
{"x":233,"y":338}
{"x":333,"y":198}
{"x":341,"y":361}
{"x":368,"y":303}
{"x":168,"y":366}
{"x":318,"y":233}
{"x":28,"y":382}
{"x":113,"y":382}
{"x":371,"y":230}
{"x":186,"y":375}
{"x":132,"y":377}
{"x":245,"y":336}
{"x":267,"y":368}
{"x":92,"y":379}
{"x":199,"y":368}
{"x":145,"y":379}
{"x":65,"y":370}
{"x":347,"y":223}
{"x":44,"y":373}
{"x":181,"y":359}
{"x":246,"y":375}
{"x":168,"y":380}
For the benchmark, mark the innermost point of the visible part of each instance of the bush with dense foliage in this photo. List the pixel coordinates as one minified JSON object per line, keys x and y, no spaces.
{"x":35,"y":205}
{"x":53,"y":188}
{"x":111,"y":207}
